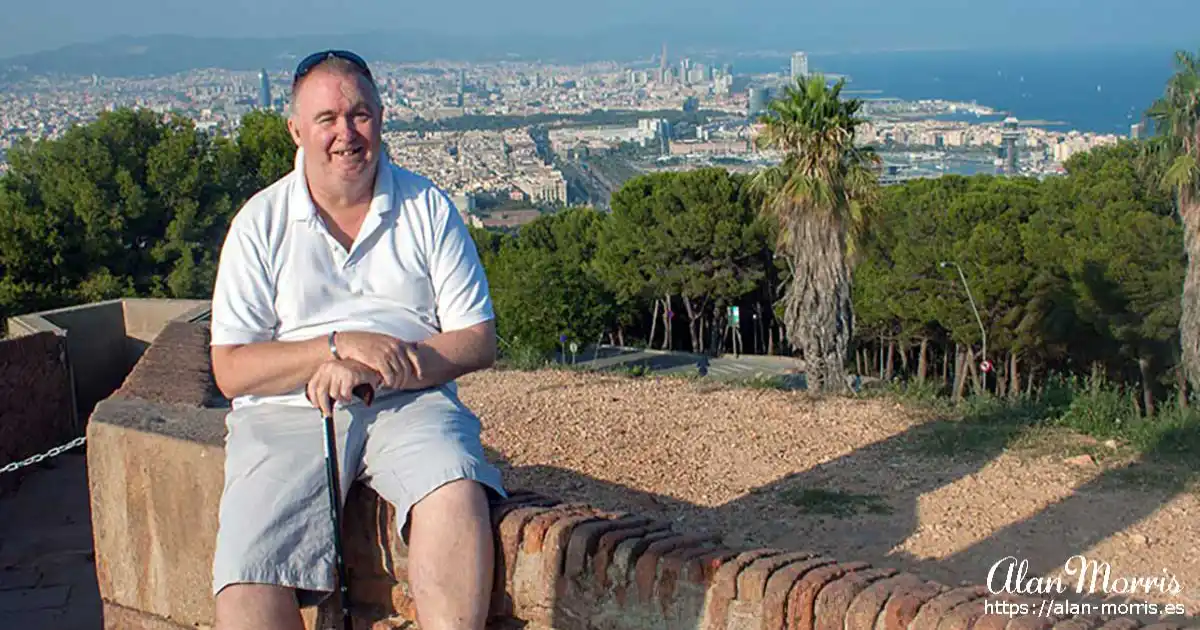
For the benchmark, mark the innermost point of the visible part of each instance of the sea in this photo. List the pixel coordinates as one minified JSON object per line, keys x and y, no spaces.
{"x":1098,"y":90}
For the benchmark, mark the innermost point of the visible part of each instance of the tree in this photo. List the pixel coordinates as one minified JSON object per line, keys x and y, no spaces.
{"x":542,"y":281}
{"x":135,"y":203}
{"x":125,"y":206}
{"x":821,"y":197}
{"x":691,"y":235}
{"x":1177,"y":125}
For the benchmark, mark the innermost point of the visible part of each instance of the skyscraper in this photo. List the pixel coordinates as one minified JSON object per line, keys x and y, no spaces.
{"x":662,"y":65}
{"x":264,"y":89}
{"x":1009,"y":135}
{"x":758,"y":102}
{"x":799,"y":65}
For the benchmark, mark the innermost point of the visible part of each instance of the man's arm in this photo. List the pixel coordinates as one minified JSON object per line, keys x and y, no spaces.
{"x":267,"y":368}
{"x":446,"y":356}
{"x":462,"y":301}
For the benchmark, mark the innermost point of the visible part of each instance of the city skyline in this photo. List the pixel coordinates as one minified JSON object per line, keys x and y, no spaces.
{"x":492,"y":147}
{"x":852,"y":25}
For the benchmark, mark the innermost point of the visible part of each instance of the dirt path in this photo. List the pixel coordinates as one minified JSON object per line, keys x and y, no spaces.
{"x":853,"y":479}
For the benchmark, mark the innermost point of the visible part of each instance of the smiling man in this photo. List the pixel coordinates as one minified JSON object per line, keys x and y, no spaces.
{"x":349,"y":270}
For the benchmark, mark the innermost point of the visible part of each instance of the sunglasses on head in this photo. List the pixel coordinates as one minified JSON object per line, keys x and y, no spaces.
{"x":316,"y":58}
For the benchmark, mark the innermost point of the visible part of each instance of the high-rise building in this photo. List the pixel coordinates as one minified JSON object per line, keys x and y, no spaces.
{"x":1137,"y":131}
{"x":758,"y":102}
{"x":1009,"y":135}
{"x":264,"y":89}
{"x":799,"y":65}
{"x":662,"y":65}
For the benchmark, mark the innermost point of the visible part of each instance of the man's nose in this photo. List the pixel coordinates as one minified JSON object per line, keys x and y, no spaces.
{"x":346,"y":127}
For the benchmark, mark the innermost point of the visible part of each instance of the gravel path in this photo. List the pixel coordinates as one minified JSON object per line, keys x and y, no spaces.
{"x":751,"y":463}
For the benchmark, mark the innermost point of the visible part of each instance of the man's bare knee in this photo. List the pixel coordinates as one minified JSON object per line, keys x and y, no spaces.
{"x":451,"y":557}
{"x":258,"y":606}
{"x":463,"y":497}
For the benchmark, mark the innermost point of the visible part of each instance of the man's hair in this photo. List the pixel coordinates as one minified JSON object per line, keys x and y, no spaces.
{"x":342,"y":67}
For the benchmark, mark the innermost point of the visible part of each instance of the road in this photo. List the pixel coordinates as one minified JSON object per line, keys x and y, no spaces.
{"x":725,"y":368}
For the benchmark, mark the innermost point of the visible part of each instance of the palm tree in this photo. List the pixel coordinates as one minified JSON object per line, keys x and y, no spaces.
{"x":1177,"y":126}
{"x":819,"y":198}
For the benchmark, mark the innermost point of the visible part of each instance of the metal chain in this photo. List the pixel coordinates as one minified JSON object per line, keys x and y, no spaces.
{"x":54,"y":452}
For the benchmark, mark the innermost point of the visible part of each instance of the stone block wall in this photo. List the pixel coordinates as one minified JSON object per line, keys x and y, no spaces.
{"x":155,"y":469}
{"x":35,"y":399}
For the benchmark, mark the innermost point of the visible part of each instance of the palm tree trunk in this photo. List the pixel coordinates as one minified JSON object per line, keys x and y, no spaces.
{"x":819,"y":306}
{"x":1189,"y":321}
{"x":1181,"y":386}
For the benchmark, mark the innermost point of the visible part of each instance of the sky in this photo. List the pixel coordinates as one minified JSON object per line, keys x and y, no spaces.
{"x":827,"y":26}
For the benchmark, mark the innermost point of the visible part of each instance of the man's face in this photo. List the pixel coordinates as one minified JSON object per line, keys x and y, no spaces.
{"x":338,"y":123}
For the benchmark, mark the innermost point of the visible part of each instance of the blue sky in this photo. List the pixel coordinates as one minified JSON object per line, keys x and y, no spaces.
{"x":828,"y":26}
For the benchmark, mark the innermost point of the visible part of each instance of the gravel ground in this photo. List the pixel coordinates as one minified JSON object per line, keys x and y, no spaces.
{"x":752,"y":464}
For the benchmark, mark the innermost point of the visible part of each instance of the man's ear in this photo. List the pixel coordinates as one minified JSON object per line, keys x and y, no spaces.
{"x":292,"y":129}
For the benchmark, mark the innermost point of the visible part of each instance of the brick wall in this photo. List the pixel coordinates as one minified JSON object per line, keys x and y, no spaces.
{"x":573,"y":567}
{"x":35,"y":399}
{"x":155,"y":473}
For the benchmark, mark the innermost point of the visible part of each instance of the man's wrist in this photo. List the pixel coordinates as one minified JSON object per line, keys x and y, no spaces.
{"x":414,"y":353}
{"x":333,"y":346}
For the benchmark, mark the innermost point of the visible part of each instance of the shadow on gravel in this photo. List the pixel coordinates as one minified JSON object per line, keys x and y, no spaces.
{"x":829,"y":508}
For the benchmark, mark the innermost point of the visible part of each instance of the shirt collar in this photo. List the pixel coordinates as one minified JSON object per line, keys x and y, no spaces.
{"x":300,"y":205}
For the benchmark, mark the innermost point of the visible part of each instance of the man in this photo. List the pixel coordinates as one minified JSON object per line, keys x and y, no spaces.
{"x":349,"y":270}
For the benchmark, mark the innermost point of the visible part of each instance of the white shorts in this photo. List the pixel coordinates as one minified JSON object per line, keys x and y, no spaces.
{"x":275,"y":525}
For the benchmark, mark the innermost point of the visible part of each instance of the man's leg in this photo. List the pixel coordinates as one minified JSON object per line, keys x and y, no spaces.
{"x":450,"y":556}
{"x":257,"y":606}
{"x":274,"y":548}
{"x":423,"y":455}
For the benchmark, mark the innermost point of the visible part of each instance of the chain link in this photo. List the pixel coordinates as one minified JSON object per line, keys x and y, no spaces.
{"x":40,"y":457}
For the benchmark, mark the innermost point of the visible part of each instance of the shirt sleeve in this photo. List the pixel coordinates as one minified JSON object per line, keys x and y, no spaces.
{"x":242,"y":304}
{"x":460,"y":284}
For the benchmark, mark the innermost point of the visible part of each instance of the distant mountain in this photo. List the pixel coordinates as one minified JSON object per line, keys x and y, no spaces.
{"x":169,"y":54}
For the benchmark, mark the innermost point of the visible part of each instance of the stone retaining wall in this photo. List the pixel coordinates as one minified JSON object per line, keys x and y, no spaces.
{"x":35,"y":399}
{"x":155,"y":468}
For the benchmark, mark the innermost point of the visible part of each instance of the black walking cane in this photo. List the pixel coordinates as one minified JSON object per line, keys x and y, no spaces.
{"x":367,"y":394}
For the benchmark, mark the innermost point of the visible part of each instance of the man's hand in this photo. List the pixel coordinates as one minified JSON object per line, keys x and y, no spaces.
{"x":393,"y":359}
{"x":335,"y":381}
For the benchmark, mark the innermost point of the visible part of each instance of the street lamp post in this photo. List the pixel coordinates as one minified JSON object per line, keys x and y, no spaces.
{"x":982,"y":330}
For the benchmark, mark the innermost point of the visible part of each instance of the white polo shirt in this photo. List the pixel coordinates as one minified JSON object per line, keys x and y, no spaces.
{"x":412,"y":272}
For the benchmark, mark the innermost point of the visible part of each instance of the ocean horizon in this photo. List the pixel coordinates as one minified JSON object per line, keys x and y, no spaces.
{"x":1101,"y":91}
